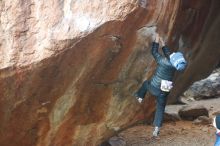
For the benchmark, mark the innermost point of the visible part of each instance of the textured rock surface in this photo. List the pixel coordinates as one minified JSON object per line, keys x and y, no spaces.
{"x":171,"y":117}
{"x":206,"y":88}
{"x":203,"y":120}
{"x":193,"y":112}
{"x":68,"y":68}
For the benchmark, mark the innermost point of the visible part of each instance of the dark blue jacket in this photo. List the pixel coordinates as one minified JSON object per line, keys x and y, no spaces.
{"x":217,"y":142}
{"x":164,"y":69}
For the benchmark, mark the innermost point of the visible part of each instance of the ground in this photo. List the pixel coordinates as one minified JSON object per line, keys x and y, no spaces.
{"x":182,"y":133}
{"x":179,"y":133}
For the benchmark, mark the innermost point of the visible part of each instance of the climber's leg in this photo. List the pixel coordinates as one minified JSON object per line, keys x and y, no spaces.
{"x":142,"y":91}
{"x":160,"y":108}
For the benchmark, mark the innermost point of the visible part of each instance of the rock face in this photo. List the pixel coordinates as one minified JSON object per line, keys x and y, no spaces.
{"x":192,"y":112}
{"x":68,"y":68}
{"x":206,"y":88}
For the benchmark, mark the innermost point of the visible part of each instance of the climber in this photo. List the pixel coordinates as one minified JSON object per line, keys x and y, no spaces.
{"x":216,"y":124}
{"x":161,"y":82}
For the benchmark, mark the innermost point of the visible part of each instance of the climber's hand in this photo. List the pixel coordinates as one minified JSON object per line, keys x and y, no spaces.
{"x":157,"y":38}
{"x":162,"y":41}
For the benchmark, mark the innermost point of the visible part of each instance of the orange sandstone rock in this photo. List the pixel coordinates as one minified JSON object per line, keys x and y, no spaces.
{"x":68,"y":68}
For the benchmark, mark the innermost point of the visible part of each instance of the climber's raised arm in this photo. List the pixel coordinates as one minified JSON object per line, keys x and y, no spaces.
{"x":155,"y":47}
{"x":165,"y":48}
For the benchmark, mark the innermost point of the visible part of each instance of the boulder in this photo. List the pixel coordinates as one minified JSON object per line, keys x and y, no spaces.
{"x":171,"y":113}
{"x":192,"y":112}
{"x":117,"y":141}
{"x":206,"y":88}
{"x":204,"y":120}
{"x":171,"y":117}
{"x":69,"y":68}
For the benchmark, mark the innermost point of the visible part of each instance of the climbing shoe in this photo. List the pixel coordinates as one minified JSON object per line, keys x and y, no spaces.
{"x":156,"y":132}
{"x":139,"y":99}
